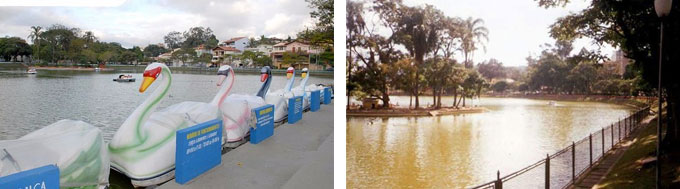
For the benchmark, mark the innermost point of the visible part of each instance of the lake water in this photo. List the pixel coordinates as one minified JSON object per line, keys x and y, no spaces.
{"x":30,"y":102}
{"x":457,"y":151}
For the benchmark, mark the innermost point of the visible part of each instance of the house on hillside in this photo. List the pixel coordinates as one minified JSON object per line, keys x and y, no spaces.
{"x":225,"y":54}
{"x":201,"y":49}
{"x":301,"y":51}
{"x":239,"y":43}
{"x":265,"y":49}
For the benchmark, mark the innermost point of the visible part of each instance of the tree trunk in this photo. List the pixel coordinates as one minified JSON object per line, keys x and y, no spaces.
{"x":417,"y":90}
{"x":410,"y":101}
{"x":455,"y":97}
{"x":463,"y":100}
{"x":434,"y":97}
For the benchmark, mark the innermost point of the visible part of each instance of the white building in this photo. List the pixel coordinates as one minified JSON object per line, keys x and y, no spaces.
{"x":265,"y":49}
{"x":239,"y":43}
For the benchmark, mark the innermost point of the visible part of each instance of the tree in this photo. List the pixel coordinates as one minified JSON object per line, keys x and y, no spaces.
{"x":500,"y":86}
{"x":13,"y":47}
{"x":290,"y":58}
{"x":492,"y":69}
{"x":196,"y":36}
{"x":154,"y":50}
{"x":583,"y":76}
{"x":89,"y":37}
{"x":35,"y":37}
{"x":184,"y":54}
{"x":322,"y":33}
{"x":634,"y":27}
{"x":472,"y":34}
{"x":173,"y":40}
{"x":416,"y":28}
{"x":355,"y":26}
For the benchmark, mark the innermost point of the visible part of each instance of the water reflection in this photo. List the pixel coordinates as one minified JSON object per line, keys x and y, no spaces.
{"x":463,"y":150}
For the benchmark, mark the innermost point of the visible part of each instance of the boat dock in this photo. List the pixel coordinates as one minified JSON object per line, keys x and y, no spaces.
{"x":298,"y":155}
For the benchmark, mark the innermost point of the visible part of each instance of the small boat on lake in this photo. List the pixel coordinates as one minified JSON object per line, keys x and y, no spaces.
{"x":552,"y":103}
{"x":31,"y":71}
{"x":124,"y":78}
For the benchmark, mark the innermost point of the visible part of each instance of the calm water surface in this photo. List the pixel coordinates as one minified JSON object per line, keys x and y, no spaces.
{"x":458,"y":151}
{"x":30,"y":102}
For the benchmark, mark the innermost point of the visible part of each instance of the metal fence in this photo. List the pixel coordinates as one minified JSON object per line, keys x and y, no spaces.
{"x":562,"y":168}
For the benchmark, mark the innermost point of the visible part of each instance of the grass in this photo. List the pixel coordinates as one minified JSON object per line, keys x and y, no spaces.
{"x":628,"y":172}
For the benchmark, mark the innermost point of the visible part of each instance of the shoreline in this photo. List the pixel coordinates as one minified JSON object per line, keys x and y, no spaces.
{"x":630,"y":101}
{"x":405,"y":112}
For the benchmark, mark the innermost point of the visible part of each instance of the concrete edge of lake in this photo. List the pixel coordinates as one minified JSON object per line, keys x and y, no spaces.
{"x":403,"y":112}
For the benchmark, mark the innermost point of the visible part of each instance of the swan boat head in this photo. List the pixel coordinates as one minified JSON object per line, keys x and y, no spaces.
{"x":223,"y":72}
{"x":266,"y":79}
{"x":151,"y":73}
{"x":290,"y":75}
{"x":304,"y":73}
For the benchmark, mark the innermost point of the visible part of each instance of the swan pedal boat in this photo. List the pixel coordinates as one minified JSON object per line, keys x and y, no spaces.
{"x":143,"y":148}
{"x":75,"y":147}
{"x":237,"y":109}
{"x":279,"y":98}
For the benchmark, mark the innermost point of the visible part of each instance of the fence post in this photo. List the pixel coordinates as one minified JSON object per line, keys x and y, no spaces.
{"x":590,"y":141}
{"x":602,"y":142}
{"x":547,"y":171}
{"x":499,"y":183}
{"x":573,"y":162}
{"x":612,"y":129}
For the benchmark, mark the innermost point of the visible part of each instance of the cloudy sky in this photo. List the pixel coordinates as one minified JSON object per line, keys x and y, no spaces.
{"x":141,"y":22}
{"x":517,"y":28}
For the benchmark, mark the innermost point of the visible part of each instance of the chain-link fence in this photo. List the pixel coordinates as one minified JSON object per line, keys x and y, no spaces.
{"x":562,"y":168}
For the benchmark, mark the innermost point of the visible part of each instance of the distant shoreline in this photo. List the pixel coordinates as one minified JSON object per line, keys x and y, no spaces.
{"x":405,"y":112}
{"x":632,"y":101}
{"x":140,"y":68}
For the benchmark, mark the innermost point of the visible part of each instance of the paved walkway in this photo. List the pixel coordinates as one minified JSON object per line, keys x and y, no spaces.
{"x":296,"y":156}
{"x":604,"y":166}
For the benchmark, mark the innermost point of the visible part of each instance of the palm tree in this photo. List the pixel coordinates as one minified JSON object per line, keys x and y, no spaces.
{"x":89,"y":37}
{"x":35,"y":37}
{"x":472,"y":34}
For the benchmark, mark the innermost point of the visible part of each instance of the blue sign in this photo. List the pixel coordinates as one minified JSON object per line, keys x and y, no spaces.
{"x":327,"y":95}
{"x":315,"y":103}
{"x":264,"y":123}
{"x":294,"y":109}
{"x":38,"y":178}
{"x":199,"y":149}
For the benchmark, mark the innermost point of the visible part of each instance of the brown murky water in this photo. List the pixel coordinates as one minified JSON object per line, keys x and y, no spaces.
{"x":465,"y":150}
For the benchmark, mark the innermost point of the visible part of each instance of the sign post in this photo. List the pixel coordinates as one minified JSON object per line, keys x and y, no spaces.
{"x":263,"y":123}
{"x":315,"y":101}
{"x":294,"y":109}
{"x":41,"y":177}
{"x":199,"y":149}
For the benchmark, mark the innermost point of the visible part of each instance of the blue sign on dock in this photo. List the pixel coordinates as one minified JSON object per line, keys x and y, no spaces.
{"x":41,"y":177}
{"x":315,"y":102}
{"x":199,"y":149}
{"x":294,"y":109}
{"x":327,"y":95}
{"x":264,"y":123}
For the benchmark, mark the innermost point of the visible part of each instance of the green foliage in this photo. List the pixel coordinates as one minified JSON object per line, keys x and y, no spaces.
{"x":500,"y":86}
{"x":196,"y":36}
{"x":13,"y":47}
{"x":154,"y":50}
{"x":290,"y":58}
{"x":322,"y":33}
{"x":173,"y":40}
{"x":491,"y":69}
